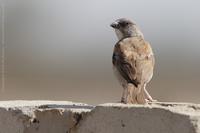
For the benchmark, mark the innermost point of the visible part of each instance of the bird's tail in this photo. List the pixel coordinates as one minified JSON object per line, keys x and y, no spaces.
{"x":141,"y":95}
{"x":129,"y":94}
{"x":133,"y":94}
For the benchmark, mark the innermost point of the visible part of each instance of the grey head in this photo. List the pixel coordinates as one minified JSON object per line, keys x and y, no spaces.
{"x":125,"y":28}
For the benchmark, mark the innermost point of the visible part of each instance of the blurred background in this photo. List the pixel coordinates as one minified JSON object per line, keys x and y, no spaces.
{"x":62,"y":49}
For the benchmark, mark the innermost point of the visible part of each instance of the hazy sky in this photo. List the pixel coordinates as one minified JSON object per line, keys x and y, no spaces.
{"x":61,"y":49}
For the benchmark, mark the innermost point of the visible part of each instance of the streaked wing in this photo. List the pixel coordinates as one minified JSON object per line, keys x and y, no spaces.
{"x":125,"y":68}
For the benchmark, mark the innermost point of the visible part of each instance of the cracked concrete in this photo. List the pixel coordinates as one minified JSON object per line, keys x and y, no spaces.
{"x":70,"y":117}
{"x":40,"y":116}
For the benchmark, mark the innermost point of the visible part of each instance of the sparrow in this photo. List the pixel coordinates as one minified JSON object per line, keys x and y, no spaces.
{"x":133,"y":62}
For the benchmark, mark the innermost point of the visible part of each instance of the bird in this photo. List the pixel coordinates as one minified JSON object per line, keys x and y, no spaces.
{"x":133,"y":62}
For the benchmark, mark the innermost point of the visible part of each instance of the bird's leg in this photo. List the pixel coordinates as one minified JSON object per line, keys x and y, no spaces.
{"x":148,"y":96}
{"x":124,"y":94}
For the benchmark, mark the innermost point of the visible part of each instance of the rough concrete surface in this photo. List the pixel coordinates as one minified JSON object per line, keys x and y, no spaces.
{"x":40,"y":116}
{"x":70,"y":117}
{"x":153,"y":118}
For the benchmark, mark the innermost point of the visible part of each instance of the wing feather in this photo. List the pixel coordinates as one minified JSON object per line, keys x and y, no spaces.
{"x":134,"y":60}
{"x":125,"y":68}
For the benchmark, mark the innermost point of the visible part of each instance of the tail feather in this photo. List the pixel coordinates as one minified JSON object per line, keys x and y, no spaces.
{"x":141,"y":97}
{"x":131,"y":96}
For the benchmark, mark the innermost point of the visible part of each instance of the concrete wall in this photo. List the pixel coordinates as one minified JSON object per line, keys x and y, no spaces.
{"x":69,"y":117}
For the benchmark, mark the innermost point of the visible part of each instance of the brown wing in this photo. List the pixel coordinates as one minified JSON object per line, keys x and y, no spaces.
{"x":134,"y":60}
{"x":126,"y":69}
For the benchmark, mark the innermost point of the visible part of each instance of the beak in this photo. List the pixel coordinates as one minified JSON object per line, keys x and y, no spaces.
{"x":114,"y":25}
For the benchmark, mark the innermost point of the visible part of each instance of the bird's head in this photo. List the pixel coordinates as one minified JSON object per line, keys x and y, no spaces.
{"x":126,"y":28}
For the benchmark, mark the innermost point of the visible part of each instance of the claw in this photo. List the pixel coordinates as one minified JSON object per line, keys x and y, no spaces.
{"x":151,"y":100}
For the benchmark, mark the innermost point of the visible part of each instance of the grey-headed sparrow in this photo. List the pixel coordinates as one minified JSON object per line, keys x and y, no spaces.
{"x":133,"y":62}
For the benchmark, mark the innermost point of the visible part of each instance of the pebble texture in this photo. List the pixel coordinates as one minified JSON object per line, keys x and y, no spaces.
{"x":70,"y":117}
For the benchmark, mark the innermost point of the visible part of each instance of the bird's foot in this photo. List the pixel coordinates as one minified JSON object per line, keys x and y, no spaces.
{"x":151,"y":100}
{"x":128,"y":101}
{"x":123,"y":100}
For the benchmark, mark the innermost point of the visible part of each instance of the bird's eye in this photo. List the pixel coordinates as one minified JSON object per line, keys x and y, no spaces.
{"x":124,"y":24}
